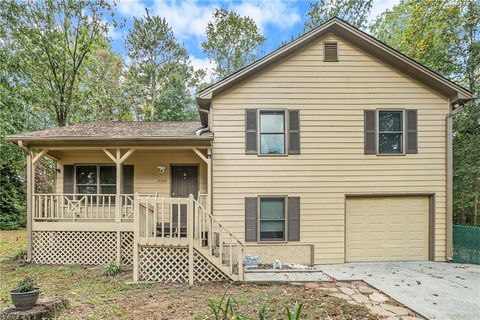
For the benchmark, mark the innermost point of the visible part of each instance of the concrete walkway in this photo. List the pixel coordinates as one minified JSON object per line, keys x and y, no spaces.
{"x":433,"y":289}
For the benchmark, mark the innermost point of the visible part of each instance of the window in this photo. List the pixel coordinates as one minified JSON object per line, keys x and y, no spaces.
{"x":272,"y":132}
{"x":272,"y":219}
{"x":390,"y":132}
{"x":93,"y":179}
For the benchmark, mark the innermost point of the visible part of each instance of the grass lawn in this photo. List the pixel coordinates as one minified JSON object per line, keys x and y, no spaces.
{"x":12,"y":242}
{"x":93,"y":295}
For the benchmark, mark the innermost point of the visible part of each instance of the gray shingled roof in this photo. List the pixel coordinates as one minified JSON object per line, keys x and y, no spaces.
{"x":118,"y":130}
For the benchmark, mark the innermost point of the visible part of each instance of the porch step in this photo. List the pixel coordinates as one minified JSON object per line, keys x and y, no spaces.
{"x":198,"y":230}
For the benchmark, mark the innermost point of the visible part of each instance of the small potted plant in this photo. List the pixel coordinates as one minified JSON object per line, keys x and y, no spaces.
{"x":25,"y":295}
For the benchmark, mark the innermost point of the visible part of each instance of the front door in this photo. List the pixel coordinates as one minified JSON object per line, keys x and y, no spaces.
{"x":184,"y":183}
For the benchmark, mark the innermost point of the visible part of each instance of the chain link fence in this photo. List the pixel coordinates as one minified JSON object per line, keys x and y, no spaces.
{"x":466,"y":244}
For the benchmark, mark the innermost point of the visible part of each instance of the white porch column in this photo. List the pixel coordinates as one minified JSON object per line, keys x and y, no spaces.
{"x":209,"y":180}
{"x":30,"y":177}
{"x":118,"y":159}
{"x":118,"y":182}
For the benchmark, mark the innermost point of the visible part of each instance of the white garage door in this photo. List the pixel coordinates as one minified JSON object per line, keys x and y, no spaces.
{"x":386,"y":228}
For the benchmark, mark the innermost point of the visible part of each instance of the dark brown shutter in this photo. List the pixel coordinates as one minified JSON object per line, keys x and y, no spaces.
{"x":330,"y":51}
{"x":294,"y":132}
{"x":412,"y":131}
{"x":251,"y":219}
{"x":68,"y":178}
{"x":293,"y":218}
{"x":127,"y":179}
{"x":370,"y":139}
{"x":251,"y":131}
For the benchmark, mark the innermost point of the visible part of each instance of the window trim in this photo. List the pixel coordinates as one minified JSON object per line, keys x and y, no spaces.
{"x":98,"y":184}
{"x":377,"y":134}
{"x":286,"y":128}
{"x":259,"y":215}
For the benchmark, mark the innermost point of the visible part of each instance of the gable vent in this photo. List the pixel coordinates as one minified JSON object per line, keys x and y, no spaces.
{"x":330,"y":52}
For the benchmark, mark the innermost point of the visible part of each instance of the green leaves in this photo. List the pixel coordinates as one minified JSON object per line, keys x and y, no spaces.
{"x":354,"y":12}
{"x":444,"y":35}
{"x":52,"y":40}
{"x":159,"y":78}
{"x":232,"y":42}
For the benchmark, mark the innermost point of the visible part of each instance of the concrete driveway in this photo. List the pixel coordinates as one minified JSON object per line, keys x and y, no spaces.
{"x":435,"y":290}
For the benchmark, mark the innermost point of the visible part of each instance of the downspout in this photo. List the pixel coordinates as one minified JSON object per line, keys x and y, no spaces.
{"x":449,"y":167}
{"x":209,"y":160}
{"x":207,"y":128}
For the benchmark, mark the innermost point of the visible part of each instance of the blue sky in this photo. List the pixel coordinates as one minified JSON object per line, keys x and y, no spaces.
{"x":278,"y":20}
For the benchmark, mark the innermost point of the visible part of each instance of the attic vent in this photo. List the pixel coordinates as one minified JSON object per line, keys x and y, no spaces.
{"x":330,"y":52}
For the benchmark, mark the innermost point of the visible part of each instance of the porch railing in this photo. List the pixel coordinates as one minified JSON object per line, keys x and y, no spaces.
{"x":83,"y":207}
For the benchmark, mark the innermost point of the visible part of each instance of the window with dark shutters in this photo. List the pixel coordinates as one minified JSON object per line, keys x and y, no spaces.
{"x":271,"y":219}
{"x":266,"y":132}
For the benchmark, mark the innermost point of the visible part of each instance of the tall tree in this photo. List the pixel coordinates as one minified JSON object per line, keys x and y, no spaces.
{"x":159,"y":66}
{"x":232,"y":42}
{"x":354,"y":12}
{"x":16,"y":115}
{"x":53,"y":39}
{"x":104,"y":95}
{"x":445,"y":36}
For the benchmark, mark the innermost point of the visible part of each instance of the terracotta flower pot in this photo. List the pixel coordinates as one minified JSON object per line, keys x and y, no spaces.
{"x":24,"y":300}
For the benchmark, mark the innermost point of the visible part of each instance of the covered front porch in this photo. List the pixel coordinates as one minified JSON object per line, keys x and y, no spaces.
{"x":136,"y":197}
{"x":99,"y":184}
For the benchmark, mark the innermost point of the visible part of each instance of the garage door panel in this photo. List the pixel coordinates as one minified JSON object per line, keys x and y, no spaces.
{"x":386,"y":228}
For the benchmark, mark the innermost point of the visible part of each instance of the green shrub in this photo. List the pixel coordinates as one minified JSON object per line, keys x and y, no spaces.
{"x":112,"y":269}
{"x":26,"y":285}
{"x":297,"y":311}
{"x":19,"y":256}
{"x":224,"y":309}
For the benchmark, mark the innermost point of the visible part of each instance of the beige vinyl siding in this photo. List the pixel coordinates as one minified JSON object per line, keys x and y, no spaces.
{"x":331,"y":97}
{"x":147,"y":178}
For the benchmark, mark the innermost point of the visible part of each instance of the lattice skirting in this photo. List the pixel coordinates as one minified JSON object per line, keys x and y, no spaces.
{"x":74,"y":247}
{"x":126,"y":239}
{"x":81,"y":247}
{"x":164,"y":264}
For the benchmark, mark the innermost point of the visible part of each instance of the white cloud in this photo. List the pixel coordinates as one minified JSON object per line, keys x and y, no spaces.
{"x":275,"y":12}
{"x":190,"y":18}
{"x":114,"y":34}
{"x":379,"y":6}
{"x":205,"y":64}
{"x":131,"y":8}
{"x":187,"y":18}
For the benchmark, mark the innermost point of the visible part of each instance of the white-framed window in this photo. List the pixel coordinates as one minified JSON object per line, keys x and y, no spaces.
{"x":95,"y":179}
{"x":391,"y":129}
{"x":272,"y":132}
{"x":272,"y":219}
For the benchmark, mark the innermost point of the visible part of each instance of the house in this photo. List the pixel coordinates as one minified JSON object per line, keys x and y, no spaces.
{"x":334,"y":148}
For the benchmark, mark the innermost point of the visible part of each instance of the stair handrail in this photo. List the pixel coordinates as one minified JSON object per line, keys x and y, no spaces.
{"x":217,"y":222}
